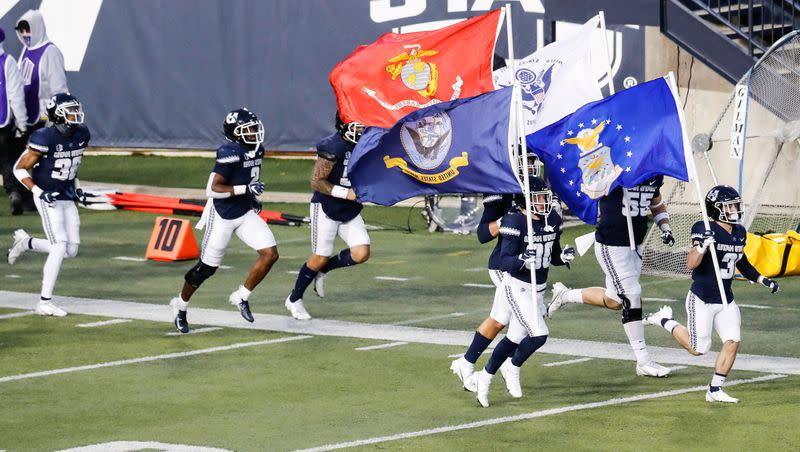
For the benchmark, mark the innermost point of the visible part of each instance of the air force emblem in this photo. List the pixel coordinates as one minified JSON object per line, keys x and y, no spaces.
{"x":598,"y":172}
{"x":427,"y":142}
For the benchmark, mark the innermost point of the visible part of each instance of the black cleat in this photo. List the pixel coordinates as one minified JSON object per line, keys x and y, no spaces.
{"x":244,"y":309}
{"x":181,"y":323}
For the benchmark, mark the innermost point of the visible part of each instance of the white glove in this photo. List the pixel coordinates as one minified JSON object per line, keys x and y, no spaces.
{"x":567,"y":255}
{"x":528,"y":258}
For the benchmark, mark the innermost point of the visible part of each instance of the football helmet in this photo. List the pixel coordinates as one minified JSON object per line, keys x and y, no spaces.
{"x":243,"y":126}
{"x":530,"y":163}
{"x":724,"y":204}
{"x":64,"y":110}
{"x":541,"y":197}
{"x":350,"y":131}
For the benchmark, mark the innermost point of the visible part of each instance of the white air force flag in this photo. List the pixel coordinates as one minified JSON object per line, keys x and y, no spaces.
{"x":561,"y":71}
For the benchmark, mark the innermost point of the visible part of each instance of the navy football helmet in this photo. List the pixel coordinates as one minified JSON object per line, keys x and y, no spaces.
{"x":65,"y":110}
{"x":530,"y":163}
{"x":541,"y":197}
{"x":724,"y":204}
{"x":350,"y":131}
{"x":243,"y":126}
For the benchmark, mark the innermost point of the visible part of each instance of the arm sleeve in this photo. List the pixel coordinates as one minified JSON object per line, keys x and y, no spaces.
{"x":697,"y":233}
{"x":15,"y":92}
{"x":491,"y":205}
{"x":484,"y":236}
{"x":38,"y":142}
{"x":555,"y":254}
{"x":509,"y":257}
{"x":53,"y":69}
{"x":747,"y":269}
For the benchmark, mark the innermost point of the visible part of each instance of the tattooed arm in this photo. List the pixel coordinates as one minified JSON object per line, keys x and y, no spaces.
{"x":320,"y":183}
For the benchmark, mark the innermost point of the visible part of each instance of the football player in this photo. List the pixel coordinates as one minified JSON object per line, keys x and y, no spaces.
{"x":512,"y":302}
{"x":334,"y":210}
{"x":54,"y":154}
{"x":622,"y":265}
{"x":495,"y":206}
{"x":704,"y":307}
{"x":233,"y":189}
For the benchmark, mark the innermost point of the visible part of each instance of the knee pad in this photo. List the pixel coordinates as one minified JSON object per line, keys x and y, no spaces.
{"x":59,"y":248}
{"x":631,"y":308}
{"x":199,"y":273}
{"x":72,"y":249}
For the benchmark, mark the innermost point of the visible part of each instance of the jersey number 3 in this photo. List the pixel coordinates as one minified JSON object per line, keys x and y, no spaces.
{"x":66,"y":168}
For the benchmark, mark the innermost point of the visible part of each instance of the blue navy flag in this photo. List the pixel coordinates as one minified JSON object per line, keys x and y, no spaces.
{"x":621,"y":140}
{"x":452,"y":147}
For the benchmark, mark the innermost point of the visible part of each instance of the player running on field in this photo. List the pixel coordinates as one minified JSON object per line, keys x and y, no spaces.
{"x":334,"y":210}
{"x":54,"y":154}
{"x":622,"y":265}
{"x":233,"y":189}
{"x":704,"y":307}
{"x":513,"y":304}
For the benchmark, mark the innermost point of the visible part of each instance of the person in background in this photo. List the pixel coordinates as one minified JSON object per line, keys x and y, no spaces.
{"x":12,"y":125}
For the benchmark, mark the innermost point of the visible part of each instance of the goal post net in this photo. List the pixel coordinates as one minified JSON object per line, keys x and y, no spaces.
{"x":767,"y":112}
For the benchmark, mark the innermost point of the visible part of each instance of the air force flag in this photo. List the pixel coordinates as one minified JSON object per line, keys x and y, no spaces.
{"x":453,"y":147}
{"x":623,"y":139}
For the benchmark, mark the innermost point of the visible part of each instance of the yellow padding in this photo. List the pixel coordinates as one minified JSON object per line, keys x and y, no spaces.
{"x":774,"y":254}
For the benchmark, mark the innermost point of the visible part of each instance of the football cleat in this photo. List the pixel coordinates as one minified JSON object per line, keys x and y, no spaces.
{"x":652,"y":369}
{"x":20,"y":245}
{"x":559,"y":290}
{"x":297,"y":309}
{"x":484,"y":381}
{"x":243,"y":305}
{"x":720,"y":396}
{"x":180,"y":316}
{"x":655,"y":318}
{"x":464,"y":369}
{"x":319,"y":284}
{"x":48,"y":308}
{"x":510,"y":374}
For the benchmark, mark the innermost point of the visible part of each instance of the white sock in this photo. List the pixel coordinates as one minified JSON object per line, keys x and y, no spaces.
{"x":635,"y":332}
{"x":718,"y":380}
{"x":669,"y":324}
{"x":574,"y":296}
{"x":39,"y":245}
{"x":52,"y":266}
{"x":244,"y":294}
{"x":182,"y":305}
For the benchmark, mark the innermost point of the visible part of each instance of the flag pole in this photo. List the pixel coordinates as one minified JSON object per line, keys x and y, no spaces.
{"x":519,"y":143}
{"x":692,"y":173}
{"x":626,"y":200}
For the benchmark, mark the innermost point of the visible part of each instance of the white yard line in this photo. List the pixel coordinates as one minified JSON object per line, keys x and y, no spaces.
{"x":665,"y":300}
{"x":678,"y":367}
{"x":753,"y":306}
{"x":436,"y":317}
{"x":567,"y":362}
{"x":381,"y":346}
{"x":476,"y":269}
{"x":390,"y":278}
{"x":147,"y":359}
{"x":17,"y":314}
{"x":196,"y":331}
{"x":482,"y":286}
{"x":13,"y":276}
{"x":129,"y":259}
{"x":103,"y":323}
{"x":230,"y":318}
{"x":528,"y":416}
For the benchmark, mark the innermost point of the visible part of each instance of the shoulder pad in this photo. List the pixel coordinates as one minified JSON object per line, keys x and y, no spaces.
{"x":228,"y":154}
{"x":40,"y":140}
{"x":329,"y":147}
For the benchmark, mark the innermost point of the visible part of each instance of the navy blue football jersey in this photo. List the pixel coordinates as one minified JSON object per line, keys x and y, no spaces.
{"x":612,"y":227}
{"x":60,"y":158}
{"x":546,"y":243}
{"x":494,"y":207}
{"x":730,"y":250}
{"x":337,"y":150}
{"x":237,"y":168}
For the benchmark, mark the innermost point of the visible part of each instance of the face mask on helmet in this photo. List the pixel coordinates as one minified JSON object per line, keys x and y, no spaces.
{"x":352,"y":132}
{"x":730,"y":211}
{"x":542,"y":202}
{"x":250,"y":133}
{"x":70,"y":112}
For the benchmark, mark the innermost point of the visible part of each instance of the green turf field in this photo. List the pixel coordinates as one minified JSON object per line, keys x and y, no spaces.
{"x":285,"y":391}
{"x":280,"y":174}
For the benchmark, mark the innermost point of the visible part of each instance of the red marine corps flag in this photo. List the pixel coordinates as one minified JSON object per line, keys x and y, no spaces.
{"x":380,"y":83}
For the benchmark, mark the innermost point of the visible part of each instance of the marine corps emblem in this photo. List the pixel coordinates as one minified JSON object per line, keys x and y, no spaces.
{"x":421,"y":76}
